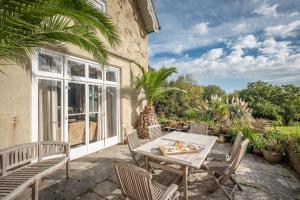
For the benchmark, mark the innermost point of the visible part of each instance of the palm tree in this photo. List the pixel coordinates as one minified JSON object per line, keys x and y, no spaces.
{"x":26,"y":24}
{"x":154,"y":85}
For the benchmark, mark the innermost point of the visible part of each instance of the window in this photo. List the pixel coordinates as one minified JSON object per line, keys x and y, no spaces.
{"x":111,"y":75}
{"x":50,"y":63}
{"x":76,"y":68}
{"x":95,"y":72}
{"x":100,"y":4}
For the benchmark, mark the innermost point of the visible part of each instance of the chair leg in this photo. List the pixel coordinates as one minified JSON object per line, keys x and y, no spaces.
{"x":35,"y":190}
{"x":236,"y":183}
{"x":67,"y":169}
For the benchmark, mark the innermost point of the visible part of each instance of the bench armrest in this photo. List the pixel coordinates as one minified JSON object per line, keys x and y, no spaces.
{"x":169,"y":193}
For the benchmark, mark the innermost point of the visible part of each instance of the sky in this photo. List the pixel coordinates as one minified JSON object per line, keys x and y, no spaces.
{"x":229,"y":42}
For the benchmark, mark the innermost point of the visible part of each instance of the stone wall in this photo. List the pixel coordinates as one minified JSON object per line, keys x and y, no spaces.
{"x":15,"y":80}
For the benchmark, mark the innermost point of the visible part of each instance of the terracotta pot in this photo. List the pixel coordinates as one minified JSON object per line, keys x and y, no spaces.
{"x":271,"y":156}
{"x":294,"y":158}
{"x":258,"y":152}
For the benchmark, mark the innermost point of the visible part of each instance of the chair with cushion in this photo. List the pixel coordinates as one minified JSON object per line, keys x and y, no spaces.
{"x":136,"y":184}
{"x":155,"y":131}
{"x":199,"y":128}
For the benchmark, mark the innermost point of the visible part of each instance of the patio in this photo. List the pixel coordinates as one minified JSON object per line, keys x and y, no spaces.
{"x":93,"y":177}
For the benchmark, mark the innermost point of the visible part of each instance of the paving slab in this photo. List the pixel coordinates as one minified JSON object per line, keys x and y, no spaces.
{"x":93,"y":177}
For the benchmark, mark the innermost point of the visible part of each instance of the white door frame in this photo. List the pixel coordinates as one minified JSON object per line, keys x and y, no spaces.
{"x":65,"y":80}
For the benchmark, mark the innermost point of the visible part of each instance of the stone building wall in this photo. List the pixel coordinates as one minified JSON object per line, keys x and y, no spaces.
{"x":15,"y":80}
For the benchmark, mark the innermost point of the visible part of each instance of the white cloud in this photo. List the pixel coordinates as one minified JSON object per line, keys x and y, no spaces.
{"x":276,"y":63}
{"x":178,"y":49}
{"x":214,"y":54}
{"x":267,"y":10}
{"x":248,"y":41}
{"x":240,"y":28}
{"x":201,"y":29}
{"x":284,"y":31}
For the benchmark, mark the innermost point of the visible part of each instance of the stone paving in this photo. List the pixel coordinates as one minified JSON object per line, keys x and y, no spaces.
{"x":93,"y":178}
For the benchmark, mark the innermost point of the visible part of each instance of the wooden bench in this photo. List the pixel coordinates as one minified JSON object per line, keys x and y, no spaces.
{"x":24,"y":165}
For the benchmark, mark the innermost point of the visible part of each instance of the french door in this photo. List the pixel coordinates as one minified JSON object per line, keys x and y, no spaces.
{"x":80,"y":105}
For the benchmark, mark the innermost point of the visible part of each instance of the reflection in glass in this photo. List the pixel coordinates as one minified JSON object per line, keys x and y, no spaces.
{"x":76,"y":68}
{"x":76,"y":130}
{"x":76,"y":98}
{"x":95,"y":72}
{"x":49,"y":110}
{"x":111,"y":111}
{"x":111,"y":75}
{"x":95,"y":98}
{"x":95,"y":128}
{"x":50,"y":63}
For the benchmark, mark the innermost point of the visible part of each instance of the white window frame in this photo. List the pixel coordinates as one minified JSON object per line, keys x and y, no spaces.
{"x":98,"y":3}
{"x":65,"y":79}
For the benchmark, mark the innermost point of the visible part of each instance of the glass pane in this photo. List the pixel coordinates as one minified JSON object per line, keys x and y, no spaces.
{"x":95,"y":72}
{"x":111,"y":75}
{"x":76,"y":98}
{"x":111,"y":111}
{"x":95,"y":98}
{"x":76,"y":68}
{"x":50,"y":63}
{"x":76,"y":130}
{"x":95,"y":127}
{"x":49,"y":110}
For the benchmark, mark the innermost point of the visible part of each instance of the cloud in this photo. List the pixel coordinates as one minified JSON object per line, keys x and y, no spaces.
{"x":267,"y":10}
{"x":240,"y":28}
{"x":201,"y":29}
{"x":283,"y":31}
{"x":248,"y":41}
{"x":178,"y":49}
{"x":214,"y":54}
{"x":277,"y":62}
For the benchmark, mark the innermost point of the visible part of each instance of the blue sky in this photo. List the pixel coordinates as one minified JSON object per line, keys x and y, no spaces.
{"x":227,"y":42}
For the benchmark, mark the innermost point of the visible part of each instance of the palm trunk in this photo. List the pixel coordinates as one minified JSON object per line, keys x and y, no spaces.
{"x":146,"y":118}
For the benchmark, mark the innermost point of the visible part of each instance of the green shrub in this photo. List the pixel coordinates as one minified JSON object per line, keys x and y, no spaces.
{"x":275,"y":141}
{"x":191,"y":114}
{"x":259,"y":142}
{"x":293,"y":142}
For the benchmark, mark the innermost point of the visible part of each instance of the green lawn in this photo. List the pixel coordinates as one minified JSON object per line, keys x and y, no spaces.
{"x":289,"y":129}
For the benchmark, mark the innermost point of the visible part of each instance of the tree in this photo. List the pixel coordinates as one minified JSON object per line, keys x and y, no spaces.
{"x":26,"y":24}
{"x":212,"y":90}
{"x":155,"y":86}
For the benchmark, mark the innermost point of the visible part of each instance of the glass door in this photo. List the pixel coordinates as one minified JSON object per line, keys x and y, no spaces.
{"x":111,"y":99}
{"x":50,"y":110}
{"x":76,"y":120}
{"x":95,"y":115}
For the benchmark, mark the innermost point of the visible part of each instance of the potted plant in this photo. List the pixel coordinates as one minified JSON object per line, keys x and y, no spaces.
{"x":293,"y":151}
{"x":259,"y":142}
{"x":274,"y":148}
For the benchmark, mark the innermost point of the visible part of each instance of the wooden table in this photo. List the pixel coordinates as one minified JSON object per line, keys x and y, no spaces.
{"x":194,"y":160}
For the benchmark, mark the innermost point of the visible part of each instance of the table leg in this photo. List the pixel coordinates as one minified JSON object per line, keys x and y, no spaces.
{"x":185,"y":182}
{"x":146,"y":163}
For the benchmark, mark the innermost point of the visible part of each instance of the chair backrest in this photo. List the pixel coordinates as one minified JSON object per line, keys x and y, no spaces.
{"x":235,"y":146}
{"x":237,"y":160}
{"x":133,"y":142}
{"x":135,"y":182}
{"x":17,"y":156}
{"x":199,"y":128}
{"x":239,"y":155}
{"x":154,"y":131}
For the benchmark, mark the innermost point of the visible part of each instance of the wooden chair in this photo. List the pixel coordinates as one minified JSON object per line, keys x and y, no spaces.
{"x":154,"y":131}
{"x":222,"y":172}
{"x":230,"y":156}
{"x":199,"y":128}
{"x":136,"y":184}
{"x":133,"y":143}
